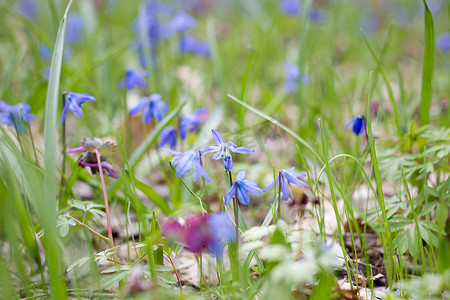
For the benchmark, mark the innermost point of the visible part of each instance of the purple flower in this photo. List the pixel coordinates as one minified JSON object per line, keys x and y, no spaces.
{"x":291,"y":81}
{"x":201,"y":232}
{"x":241,"y":188}
{"x":73,"y":102}
{"x":370,"y":23}
{"x":222,"y":150}
{"x":182,"y":22}
{"x":291,"y":7}
{"x":74,"y":29}
{"x":443,"y":42}
{"x":306,"y":79}
{"x":358,"y":124}
{"x":151,"y":106}
{"x":190,"y":122}
{"x":286,"y":177}
{"x":133,"y":78}
{"x":16,"y":115}
{"x":190,"y":44}
{"x":28,"y":8}
{"x":45,"y":52}
{"x":168,"y":136}
{"x":89,"y":146}
{"x":317,"y":15}
{"x":183,"y":161}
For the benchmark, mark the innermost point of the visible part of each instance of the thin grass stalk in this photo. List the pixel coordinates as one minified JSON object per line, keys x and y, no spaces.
{"x":33,"y":145}
{"x":416,"y":222}
{"x":105,"y":198}
{"x":387,"y":238}
{"x":334,"y":203}
{"x":427,"y":72}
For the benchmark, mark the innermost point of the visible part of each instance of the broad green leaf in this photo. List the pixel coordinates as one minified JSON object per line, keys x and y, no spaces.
{"x":159,"y":201}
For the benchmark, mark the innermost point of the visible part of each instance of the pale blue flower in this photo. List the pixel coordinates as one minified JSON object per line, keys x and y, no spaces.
{"x":168,"y":136}
{"x":184,"y":161}
{"x":182,"y":22}
{"x":190,"y":44}
{"x":151,"y":106}
{"x":16,"y":115}
{"x":222,"y":150}
{"x":443,"y":42}
{"x":133,"y":78}
{"x":241,"y":188}
{"x":286,"y":177}
{"x":291,"y":7}
{"x":190,"y":122}
{"x":74,"y":29}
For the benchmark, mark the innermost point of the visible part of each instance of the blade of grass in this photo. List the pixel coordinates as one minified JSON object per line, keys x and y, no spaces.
{"x":144,"y":146}
{"x":388,"y":86}
{"x":57,"y":283}
{"x":427,"y":72}
{"x":277,"y":123}
{"x":386,"y":235}
{"x":153,"y":196}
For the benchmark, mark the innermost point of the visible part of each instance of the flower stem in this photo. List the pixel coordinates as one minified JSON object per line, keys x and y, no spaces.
{"x":279,"y":197}
{"x":88,"y":228}
{"x":63,"y":167}
{"x":236,"y":214}
{"x":32,"y":144}
{"x":105,"y":197}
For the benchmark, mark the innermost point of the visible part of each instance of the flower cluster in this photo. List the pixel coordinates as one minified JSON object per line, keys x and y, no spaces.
{"x":186,"y":124}
{"x":292,"y":72}
{"x":284,"y":178}
{"x":90,"y":147}
{"x":158,"y":22}
{"x":183,"y":161}
{"x":17,"y":115}
{"x":201,"y":232}
{"x":133,"y":78}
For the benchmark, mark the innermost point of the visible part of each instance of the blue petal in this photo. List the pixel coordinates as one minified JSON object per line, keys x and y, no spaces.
{"x":218,"y":139}
{"x":284,"y":188}
{"x":230,"y":194}
{"x":241,"y":175}
{"x":272,"y":184}
{"x":241,"y":150}
{"x":209,"y":149}
{"x":242,"y":194}
{"x":252,"y":187}
{"x":64,"y":111}
{"x":294,"y":180}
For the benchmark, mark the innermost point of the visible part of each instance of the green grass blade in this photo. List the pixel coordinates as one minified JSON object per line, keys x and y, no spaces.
{"x":277,"y":123}
{"x":145,"y":145}
{"x":388,"y":86}
{"x":153,"y":196}
{"x":50,"y":127}
{"x":427,"y":72}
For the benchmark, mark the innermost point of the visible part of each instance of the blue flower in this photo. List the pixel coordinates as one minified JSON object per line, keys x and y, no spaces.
{"x":190,"y":44}
{"x":151,"y":106}
{"x":443,"y":42}
{"x":291,"y":7}
{"x":317,"y":15}
{"x":74,"y":29}
{"x":222,"y":150}
{"x":133,"y":78}
{"x":291,"y":81}
{"x":16,"y":115}
{"x":190,"y":122}
{"x":222,"y":229}
{"x":168,"y":136}
{"x":358,"y":124}
{"x":28,"y":8}
{"x":286,"y":177}
{"x":182,"y":22}
{"x":183,"y":161}
{"x":73,"y":102}
{"x":45,"y":52}
{"x":241,"y":188}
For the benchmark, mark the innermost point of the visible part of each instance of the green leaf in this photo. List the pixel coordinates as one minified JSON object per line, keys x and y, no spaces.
{"x":159,"y":201}
{"x":441,"y":215}
{"x":109,"y":281}
{"x":116,"y":269}
{"x":427,"y":72}
{"x":53,"y":255}
{"x":78,"y":263}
